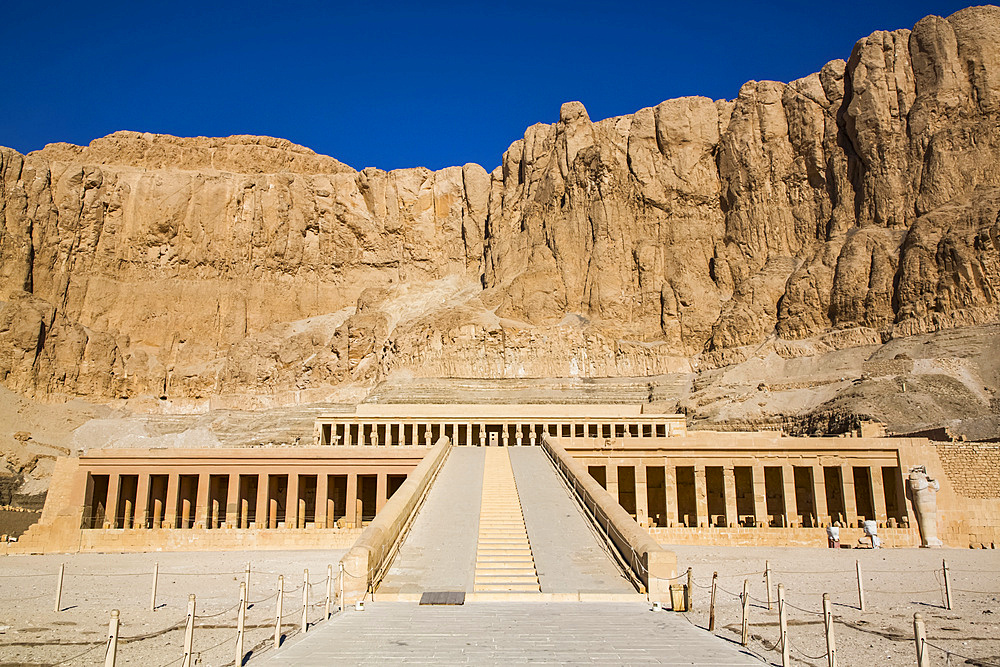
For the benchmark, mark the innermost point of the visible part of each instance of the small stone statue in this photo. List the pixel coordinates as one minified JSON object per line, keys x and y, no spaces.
{"x":923,"y":492}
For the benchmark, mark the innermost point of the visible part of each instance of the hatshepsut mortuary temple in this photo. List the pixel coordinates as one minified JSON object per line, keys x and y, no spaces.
{"x":697,"y":487}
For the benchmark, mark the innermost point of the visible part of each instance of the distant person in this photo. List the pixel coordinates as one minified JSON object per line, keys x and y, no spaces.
{"x":833,"y":537}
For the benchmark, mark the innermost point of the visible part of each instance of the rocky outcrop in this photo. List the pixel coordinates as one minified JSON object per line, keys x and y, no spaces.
{"x":865,"y":196}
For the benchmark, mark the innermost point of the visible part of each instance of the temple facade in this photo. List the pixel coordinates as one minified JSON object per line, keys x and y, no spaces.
{"x":680,"y":486}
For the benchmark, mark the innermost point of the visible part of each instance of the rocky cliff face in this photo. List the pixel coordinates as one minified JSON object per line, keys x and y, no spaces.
{"x":860,"y":199}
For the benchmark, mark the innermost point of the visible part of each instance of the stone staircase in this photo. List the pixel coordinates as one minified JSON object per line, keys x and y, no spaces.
{"x":504,"y":563}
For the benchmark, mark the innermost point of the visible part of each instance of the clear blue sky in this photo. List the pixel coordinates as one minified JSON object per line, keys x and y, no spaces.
{"x":390,"y":84}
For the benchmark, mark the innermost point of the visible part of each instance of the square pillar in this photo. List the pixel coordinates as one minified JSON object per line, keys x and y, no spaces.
{"x":323,"y":493}
{"x":142,"y":500}
{"x":613,"y":482}
{"x":701,"y":496}
{"x":641,"y":495}
{"x":380,"y":491}
{"x":729,"y":483}
{"x":233,"y":500}
{"x":759,"y":497}
{"x":111,"y":509}
{"x":850,"y":499}
{"x":670,"y":491}
{"x":263,"y":487}
{"x":790,"y":507}
{"x":292,"y":501}
{"x":202,"y":510}
{"x":352,"y":513}
{"x":819,"y":494}
{"x":170,"y":511}
{"x":878,"y":495}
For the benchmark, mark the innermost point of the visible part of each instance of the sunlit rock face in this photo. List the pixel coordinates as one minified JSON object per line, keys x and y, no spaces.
{"x":863,"y":197}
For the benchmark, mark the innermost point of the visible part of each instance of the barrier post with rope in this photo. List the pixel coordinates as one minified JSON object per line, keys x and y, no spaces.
{"x":329,"y":591}
{"x":246,"y":580}
{"x":152,"y":594}
{"x":241,"y":619}
{"x":277,"y":612}
{"x":711,"y":604}
{"x":831,"y":645}
{"x":767,"y":582}
{"x":189,"y":633}
{"x":947,"y":584}
{"x":920,"y":637}
{"x":861,"y":590}
{"x":745,"y":623}
{"x":690,"y":589}
{"x":112,"y":653}
{"x":340,"y":598}
{"x":305,"y":601}
{"x":59,"y":587}
{"x":786,"y":658}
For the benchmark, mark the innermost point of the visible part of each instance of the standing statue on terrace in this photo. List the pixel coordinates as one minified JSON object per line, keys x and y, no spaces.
{"x":923,"y":493}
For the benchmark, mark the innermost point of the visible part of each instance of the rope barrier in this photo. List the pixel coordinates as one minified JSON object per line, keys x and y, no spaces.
{"x":980,"y":662}
{"x":23,"y":576}
{"x":806,"y":655}
{"x":220,"y":613}
{"x":96,"y":645}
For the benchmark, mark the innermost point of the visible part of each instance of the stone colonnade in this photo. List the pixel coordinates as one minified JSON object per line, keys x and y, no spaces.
{"x":374,"y":432}
{"x":237,"y":489}
{"x":794,"y":492}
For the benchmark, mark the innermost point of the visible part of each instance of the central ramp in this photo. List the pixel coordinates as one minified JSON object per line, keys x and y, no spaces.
{"x":500,"y":524}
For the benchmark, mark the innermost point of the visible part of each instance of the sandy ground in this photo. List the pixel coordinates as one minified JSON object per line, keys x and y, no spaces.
{"x":32,"y":633}
{"x":897,"y":584}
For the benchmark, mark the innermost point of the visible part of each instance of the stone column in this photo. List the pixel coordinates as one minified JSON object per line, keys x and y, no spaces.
{"x":517,"y":434}
{"x":532,"y":435}
{"x":670,"y":492}
{"x":322,"y":493}
{"x":202,"y":509}
{"x":111,"y":509}
{"x":292,"y":501}
{"x":142,"y":500}
{"x":347,"y":434}
{"x":729,"y":484}
{"x":388,"y":434}
{"x":260,"y":515}
{"x":170,"y":511}
{"x":380,"y":491}
{"x":789,"y":505}
{"x":506,"y":435}
{"x":819,"y":495}
{"x":641,"y":494}
{"x":760,"y":497}
{"x":701,"y":496}
{"x":351,"y":511}
{"x":850,"y":499}
{"x":613,"y":482}
{"x":427,"y":435}
{"x":482,"y":435}
{"x":233,"y":500}
{"x":468,"y":434}
{"x":878,"y":495}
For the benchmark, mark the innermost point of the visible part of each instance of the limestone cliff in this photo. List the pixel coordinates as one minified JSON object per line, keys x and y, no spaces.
{"x":862,"y":198}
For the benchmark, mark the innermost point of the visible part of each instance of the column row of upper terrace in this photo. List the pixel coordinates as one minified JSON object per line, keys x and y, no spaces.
{"x":491,"y":425}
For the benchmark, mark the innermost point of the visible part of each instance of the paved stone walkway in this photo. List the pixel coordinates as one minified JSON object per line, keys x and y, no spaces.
{"x":496,"y":633}
{"x":439,"y":553}
{"x":568,"y":557}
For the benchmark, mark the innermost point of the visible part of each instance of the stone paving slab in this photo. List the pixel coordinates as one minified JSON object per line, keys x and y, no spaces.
{"x":487,"y":633}
{"x":439,"y":553}
{"x":568,"y":556}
